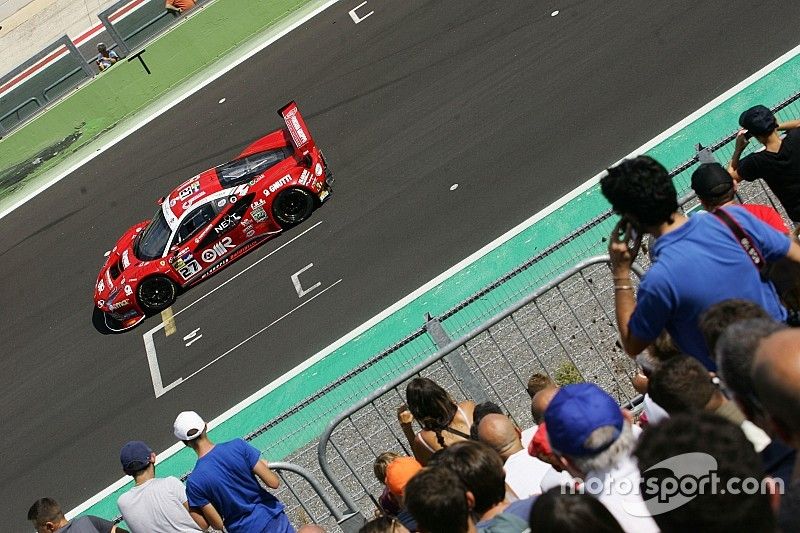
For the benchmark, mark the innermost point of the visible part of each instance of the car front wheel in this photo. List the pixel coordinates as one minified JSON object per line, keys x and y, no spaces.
{"x":156,"y":293}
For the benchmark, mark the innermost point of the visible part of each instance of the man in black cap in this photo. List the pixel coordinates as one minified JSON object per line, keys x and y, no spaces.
{"x":778,"y":163}
{"x":715,"y":188}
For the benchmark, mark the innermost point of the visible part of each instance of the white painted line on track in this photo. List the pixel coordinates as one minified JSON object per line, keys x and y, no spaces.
{"x":149,"y":345}
{"x":164,"y":104}
{"x":449,"y":272}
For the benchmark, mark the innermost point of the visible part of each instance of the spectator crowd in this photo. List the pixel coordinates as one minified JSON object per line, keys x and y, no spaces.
{"x":713,"y":447}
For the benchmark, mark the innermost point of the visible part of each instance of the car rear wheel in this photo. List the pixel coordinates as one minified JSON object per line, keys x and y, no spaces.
{"x":156,"y":293}
{"x":293,"y":206}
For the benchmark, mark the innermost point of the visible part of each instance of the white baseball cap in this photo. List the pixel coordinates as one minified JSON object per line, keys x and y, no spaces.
{"x":188,"y":426}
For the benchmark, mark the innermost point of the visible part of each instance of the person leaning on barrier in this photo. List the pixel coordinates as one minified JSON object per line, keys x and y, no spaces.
{"x":47,"y":517}
{"x":443,"y":421}
{"x":105,"y":57}
{"x":699,"y":261}
{"x":154,"y":504}
{"x":224,"y":484}
{"x":179,"y":6}
{"x":778,"y":163}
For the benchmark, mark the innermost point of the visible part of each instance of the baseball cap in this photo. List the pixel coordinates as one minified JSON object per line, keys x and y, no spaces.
{"x":758,"y":120}
{"x":711,"y":179}
{"x":575,"y":412}
{"x":188,"y":426}
{"x":134,"y":456}
{"x":399,"y":472}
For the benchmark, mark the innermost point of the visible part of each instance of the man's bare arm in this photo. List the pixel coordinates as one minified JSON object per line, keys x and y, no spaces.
{"x":197,"y":516}
{"x":266,"y":475}
{"x":213,"y":517}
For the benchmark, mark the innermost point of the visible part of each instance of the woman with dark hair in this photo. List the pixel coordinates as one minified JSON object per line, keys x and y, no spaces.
{"x":556,"y":511}
{"x":443,"y":421}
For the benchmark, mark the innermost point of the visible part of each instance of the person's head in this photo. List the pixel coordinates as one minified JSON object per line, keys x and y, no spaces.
{"x":586,"y":427}
{"x":682,"y":384}
{"x":540,"y":401}
{"x":311,"y":528}
{"x":540,"y":448}
{"x":190,"y":428}
{"x":480,"y":411}
{"x":776,"y":377}
{"x":439,"y":501}
{"x":557,"y":512}
{"x":641,"y":190}
{"x":383,"y":524}
{"x":46,"y":515}
{"x":663,"y":347}
{"x":137,"y":458}
{"x":431,"y":405}
{"x":713,"y":185}
{"x":719,"y":316}
{"x":479,"y":468}
{"x":731,"y":456}
{"x":380,"y":464}
{"x":734,"y":351}
{"x":101,"y":48}
{"x":759,"y":121}
{"x":539,"y":381}
{"x":499,"y":433}
{"x":399,"y":472}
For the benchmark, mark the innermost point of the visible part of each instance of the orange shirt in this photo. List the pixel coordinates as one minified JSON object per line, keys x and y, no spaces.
{"x":183,"y":5}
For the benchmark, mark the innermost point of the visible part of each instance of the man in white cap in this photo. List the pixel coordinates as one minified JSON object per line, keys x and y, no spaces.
{"x":224,"y":483}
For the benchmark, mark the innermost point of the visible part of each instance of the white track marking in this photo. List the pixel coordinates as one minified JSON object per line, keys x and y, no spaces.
{"x":296,"y":282}
{"x":359,"y":18}
{"x":444,"y":275}
{"x":161,"y":106}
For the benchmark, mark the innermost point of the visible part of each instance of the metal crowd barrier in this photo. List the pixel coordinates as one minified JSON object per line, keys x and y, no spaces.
{"x":544,"y":332}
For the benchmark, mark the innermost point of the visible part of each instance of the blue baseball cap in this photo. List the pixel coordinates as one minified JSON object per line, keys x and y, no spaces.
{"x":575,"y":412}
{"x":134,"y":456}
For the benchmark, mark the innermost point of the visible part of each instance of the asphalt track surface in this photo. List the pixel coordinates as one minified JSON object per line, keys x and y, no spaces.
{"x":514,"y":105}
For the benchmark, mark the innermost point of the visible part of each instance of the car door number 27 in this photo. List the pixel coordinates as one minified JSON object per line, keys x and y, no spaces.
{"x":189,"y":269}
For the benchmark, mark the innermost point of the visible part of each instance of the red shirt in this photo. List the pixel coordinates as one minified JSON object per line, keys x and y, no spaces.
{"x":768,"y":215}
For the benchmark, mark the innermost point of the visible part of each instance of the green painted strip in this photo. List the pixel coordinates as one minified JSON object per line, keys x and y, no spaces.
{"x":124,"y":90}
{"x":296,"y":431}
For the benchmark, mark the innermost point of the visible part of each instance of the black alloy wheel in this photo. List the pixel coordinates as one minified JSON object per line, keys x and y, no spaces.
{"x":293,"y":206}
{"x":156,"y":293}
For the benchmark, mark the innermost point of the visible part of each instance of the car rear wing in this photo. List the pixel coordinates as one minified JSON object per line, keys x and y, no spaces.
{"x":298,"y":131}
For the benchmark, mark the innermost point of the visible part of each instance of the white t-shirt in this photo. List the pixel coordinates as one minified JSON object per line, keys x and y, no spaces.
{"x":524,"y":473}
{"x":156,"y":506}
{"x":617,"y":492}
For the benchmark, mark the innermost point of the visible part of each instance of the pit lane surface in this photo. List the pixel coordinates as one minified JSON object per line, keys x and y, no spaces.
{"x":514,"y":105}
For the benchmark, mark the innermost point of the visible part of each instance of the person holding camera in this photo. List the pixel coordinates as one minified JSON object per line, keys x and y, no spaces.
{"x":778,"y":163}
{"x":698,"y":261}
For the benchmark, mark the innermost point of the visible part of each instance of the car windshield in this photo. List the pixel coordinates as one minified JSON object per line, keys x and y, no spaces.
{"x":241,"y":170}
{"x":153,"y":239}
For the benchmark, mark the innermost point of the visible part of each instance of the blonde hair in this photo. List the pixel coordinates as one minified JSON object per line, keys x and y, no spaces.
{"x":382,"y":463}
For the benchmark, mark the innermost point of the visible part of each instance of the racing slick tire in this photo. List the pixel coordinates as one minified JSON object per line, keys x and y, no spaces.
{"x":292,"y":206}
{"x":156,"y":293}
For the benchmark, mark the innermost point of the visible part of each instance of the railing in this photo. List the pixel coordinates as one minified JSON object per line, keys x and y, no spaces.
{"x":543,"y":332}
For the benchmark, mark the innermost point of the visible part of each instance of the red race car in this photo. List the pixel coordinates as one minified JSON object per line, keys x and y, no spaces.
{"x":212,"y":220}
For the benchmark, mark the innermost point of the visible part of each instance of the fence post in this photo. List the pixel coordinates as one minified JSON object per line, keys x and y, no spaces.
{"x":456,"y":363}
{"x":74,"y":50}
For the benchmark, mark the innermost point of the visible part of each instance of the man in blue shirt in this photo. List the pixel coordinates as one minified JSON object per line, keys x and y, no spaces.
{"x":223,"y":484}
{"x":697,"y":262}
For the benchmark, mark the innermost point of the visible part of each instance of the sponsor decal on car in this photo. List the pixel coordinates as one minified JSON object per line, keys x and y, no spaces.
{"x":122,"y":303}
{"x":304,"y":177}
{"x":218,"y":250}
{"x":258,"y":214}
{"x":101,"y":303}
{"x":259,"y":203}
{"x":221,"y":202}
{"x":227,"y":223}
{"x":318,"y":170}
{"x":189,"y":190}
{"x":295,"y":128}
{"x":101,"y":286}
{"x":280,"y":183}
{"x":125,"y":261}
{"x":128,"y":290}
